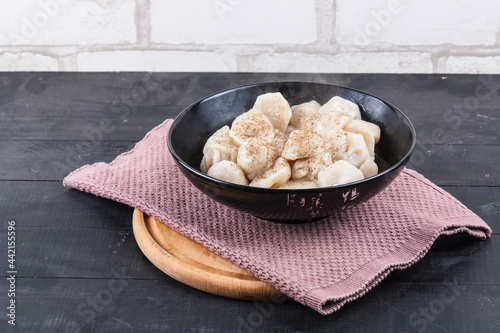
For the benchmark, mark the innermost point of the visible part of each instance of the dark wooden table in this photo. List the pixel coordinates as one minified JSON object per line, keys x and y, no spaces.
{"x":77,"y":265}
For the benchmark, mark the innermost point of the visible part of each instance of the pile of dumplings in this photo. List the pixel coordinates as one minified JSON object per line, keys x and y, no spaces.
{"x":309,"y":145}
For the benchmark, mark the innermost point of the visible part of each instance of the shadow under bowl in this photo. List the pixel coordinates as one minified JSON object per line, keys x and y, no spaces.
{"x":194,"y":125}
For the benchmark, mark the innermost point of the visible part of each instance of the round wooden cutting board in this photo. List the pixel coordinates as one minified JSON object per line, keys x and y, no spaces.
{"x":192,"y":264}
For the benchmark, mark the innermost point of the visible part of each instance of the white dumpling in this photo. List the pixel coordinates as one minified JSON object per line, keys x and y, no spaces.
{"x":362,"y":126}
{"x":290,"y":129}
{"x":300,"y":184}
{"x":251,"y":124}
{"x":308,"y":168}
{"x":229,"y":172}
{"x":219,"y":147}
{"x":278,"y":142}
{"x":373,"y":128}
{"x":337,"y":103}
{"x":301,"y":112}
{"x":277,"y":176}
{"x":340,"y":172}
{"x":359,"y":127}
{"x":255,"y":156}
{"x":326,"y":124}
{"x":276,"y":108}
{"x":352,"y":149}
{"x":303,"y":144}
{"x":369,"y":168}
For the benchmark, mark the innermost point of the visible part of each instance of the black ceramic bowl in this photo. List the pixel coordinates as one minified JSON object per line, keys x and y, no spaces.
{"x":193,"y":126}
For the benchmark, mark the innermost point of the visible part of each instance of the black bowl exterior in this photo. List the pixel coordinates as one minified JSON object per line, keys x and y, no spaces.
{"x":292,"y":206}
{"x":195,"y":124}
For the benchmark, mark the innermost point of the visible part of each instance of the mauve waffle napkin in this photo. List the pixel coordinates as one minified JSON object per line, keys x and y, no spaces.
{"x":324,"y":264}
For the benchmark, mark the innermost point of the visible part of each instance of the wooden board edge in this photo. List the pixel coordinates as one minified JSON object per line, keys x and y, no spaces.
{"x":254,"y":290}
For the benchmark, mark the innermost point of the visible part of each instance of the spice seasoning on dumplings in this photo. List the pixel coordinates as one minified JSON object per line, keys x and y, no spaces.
{"x":308,"y":145}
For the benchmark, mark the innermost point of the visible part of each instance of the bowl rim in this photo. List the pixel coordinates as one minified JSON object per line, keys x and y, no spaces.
{"x":254,"y":189}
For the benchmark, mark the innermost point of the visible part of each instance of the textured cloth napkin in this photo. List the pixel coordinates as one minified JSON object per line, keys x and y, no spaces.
{"x":323,"y":264}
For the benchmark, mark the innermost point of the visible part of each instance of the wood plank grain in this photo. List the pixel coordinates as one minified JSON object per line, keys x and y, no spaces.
{"x":50,"y":204}
{"x":78,"y":253}
{"x":81,"y":270}
{"x":465,"y":165}
{"x":83,"y":122}
{"x":435,"y":126}
{"x":114,"y":122}
{"x":91,"y":105}
{"x":131,"y":89}
{"x":121,"y":304}
{"x":460,"y":258}
{"x":45,"y":252}
{"x":459,"y":165}
{"x":54,"y":160}
{"x":484,"y":201}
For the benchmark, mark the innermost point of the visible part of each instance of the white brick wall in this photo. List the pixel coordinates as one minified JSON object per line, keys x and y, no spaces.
{"x":233,"y":22}
{"x":456,"y":64}
{"x":154,"y":61}
{"x":419,"y":23}
{"x":21,"y":61}
{"x":385,"y":62}
{"x":63,"y":22}
{"x":390,"y":36}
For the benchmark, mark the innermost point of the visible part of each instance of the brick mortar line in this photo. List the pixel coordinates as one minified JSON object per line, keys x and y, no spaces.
{"x":282,"y":48}
{"x":143,"y":22}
